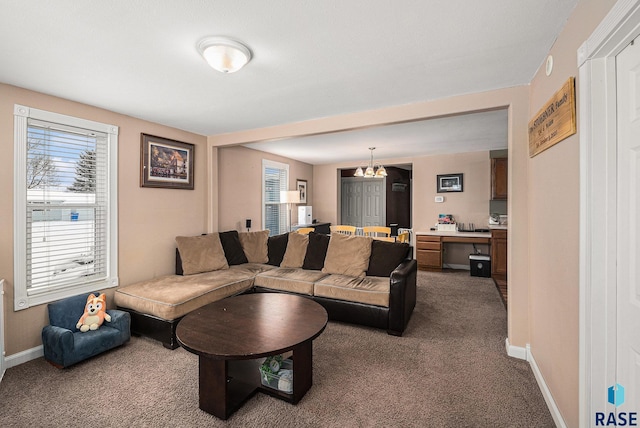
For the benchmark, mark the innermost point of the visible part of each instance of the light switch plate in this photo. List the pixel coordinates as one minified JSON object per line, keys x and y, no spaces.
{"x":439,"y":199}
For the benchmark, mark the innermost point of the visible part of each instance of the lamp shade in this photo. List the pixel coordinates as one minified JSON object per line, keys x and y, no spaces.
{"x":381,"y":171}
{"x":289,"y":197}
{"x":224,"y":55}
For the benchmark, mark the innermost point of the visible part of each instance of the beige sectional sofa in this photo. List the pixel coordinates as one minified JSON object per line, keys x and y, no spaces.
{"x":357,"y":279}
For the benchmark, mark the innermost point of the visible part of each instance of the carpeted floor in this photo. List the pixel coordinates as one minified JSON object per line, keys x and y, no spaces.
{"x":449,"y":369}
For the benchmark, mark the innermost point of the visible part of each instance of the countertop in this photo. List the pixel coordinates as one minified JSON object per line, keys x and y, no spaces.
{"x":456,"y":234}
{"x":498,"y":226}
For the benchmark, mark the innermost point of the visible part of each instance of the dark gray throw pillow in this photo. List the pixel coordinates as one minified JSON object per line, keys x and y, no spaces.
{"x":316,"y":251}
{"x":385,"y":257}
{"x":233,"y":251}
{"x":179,"y":270}
{"x":276,"y":247}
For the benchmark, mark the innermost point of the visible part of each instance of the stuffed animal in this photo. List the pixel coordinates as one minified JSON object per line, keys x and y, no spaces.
{"x":95,"y":313}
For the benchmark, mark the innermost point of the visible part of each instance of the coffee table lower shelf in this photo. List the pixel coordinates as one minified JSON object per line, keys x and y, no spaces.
{"x":225,"y":385}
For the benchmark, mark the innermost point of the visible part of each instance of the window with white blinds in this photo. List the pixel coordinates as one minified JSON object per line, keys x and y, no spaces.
{"x":275,"y":177}
{"x":65,"y":175}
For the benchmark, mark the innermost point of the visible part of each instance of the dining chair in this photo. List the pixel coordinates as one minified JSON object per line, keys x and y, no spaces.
{"x":376,"y":231}
{"x":305,"y":230}
{"x":403,"y":237}
{"x":344,"y":229}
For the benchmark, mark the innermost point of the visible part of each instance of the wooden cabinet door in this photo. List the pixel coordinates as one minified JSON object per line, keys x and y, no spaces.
{"x":429,"y":252}
{"x":499,"y":178}
{"x":498,"y":252}
{"x":429,"y":259}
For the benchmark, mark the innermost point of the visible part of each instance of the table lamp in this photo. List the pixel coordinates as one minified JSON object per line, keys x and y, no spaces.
{"x":289,"y":197}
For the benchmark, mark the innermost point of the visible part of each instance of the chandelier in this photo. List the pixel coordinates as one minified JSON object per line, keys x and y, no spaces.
{"x":380,"y":172}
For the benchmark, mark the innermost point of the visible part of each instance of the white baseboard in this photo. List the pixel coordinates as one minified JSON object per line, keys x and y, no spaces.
{"x":548,"y":398}
{"x":525,"y":354}
{"x":517,"y":351}
{"x":24,"y":356}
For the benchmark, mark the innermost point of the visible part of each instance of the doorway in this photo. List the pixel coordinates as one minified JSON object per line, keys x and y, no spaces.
{"x":359,"y":206}
{"x":363,"y":201}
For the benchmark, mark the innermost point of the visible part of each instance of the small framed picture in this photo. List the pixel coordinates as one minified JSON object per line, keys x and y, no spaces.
{"x":302,"y":188}
{"x":449,"y":183}
{"x":165,"y":163}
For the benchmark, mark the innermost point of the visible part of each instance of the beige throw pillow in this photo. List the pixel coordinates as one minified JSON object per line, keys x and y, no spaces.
{"x":254,"y":245}
{"x":201,"y":253}
{"x":296,"y":250}
{"x":347,"y":255}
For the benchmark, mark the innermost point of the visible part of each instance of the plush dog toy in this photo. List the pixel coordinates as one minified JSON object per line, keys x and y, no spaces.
{"x":95,"y":313}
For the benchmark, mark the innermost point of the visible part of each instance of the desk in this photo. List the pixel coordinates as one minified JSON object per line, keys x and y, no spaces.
{"x":429,"y":245}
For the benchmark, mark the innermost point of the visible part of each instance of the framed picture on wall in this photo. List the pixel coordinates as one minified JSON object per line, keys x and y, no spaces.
{"x":302,"y":188}
{"x":165,"y":163}
{"x":449,"y":183}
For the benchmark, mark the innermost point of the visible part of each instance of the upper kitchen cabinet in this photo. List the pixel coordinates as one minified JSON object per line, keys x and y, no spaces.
{"x":499,"y":178}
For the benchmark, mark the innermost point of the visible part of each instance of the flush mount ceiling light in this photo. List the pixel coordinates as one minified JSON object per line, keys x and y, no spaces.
{"x":369,"y":172}
{"x":224,"y":55}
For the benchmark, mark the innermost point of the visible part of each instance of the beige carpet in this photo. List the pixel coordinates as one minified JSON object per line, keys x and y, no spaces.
{"x":448,"y":370}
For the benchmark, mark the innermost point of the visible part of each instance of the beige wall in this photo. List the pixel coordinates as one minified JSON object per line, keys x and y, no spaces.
{"x":554,"y":214}
{"x":469,"y":206}
{"x":472,"y":205}
{"x":240,"y":188}
{"x":149,"y":219}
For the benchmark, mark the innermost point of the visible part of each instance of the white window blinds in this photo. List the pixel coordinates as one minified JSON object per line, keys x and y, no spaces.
{"x":66,"y":205}
{"x":276,"y":177}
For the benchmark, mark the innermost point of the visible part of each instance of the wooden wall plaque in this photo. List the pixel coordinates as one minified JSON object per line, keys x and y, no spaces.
{"x":555,"y":121}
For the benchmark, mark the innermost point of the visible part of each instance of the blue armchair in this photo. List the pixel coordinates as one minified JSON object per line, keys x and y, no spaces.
{"x":64,"y":345}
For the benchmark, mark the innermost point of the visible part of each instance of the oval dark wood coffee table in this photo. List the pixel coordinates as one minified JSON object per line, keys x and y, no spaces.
{"x":230,"y":335}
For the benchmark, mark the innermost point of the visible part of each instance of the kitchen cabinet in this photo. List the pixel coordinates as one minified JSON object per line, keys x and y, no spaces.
{"x":498,"y":252}
{"x":499,"y":178}
{"x":429,"y":252}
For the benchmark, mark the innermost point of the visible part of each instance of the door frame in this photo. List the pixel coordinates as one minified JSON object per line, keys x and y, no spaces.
{"x":598,"y":172}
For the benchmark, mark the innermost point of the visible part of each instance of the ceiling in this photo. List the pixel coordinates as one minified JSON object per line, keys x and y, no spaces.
{"x":454,"y":134}
{"x":311,"y":59}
